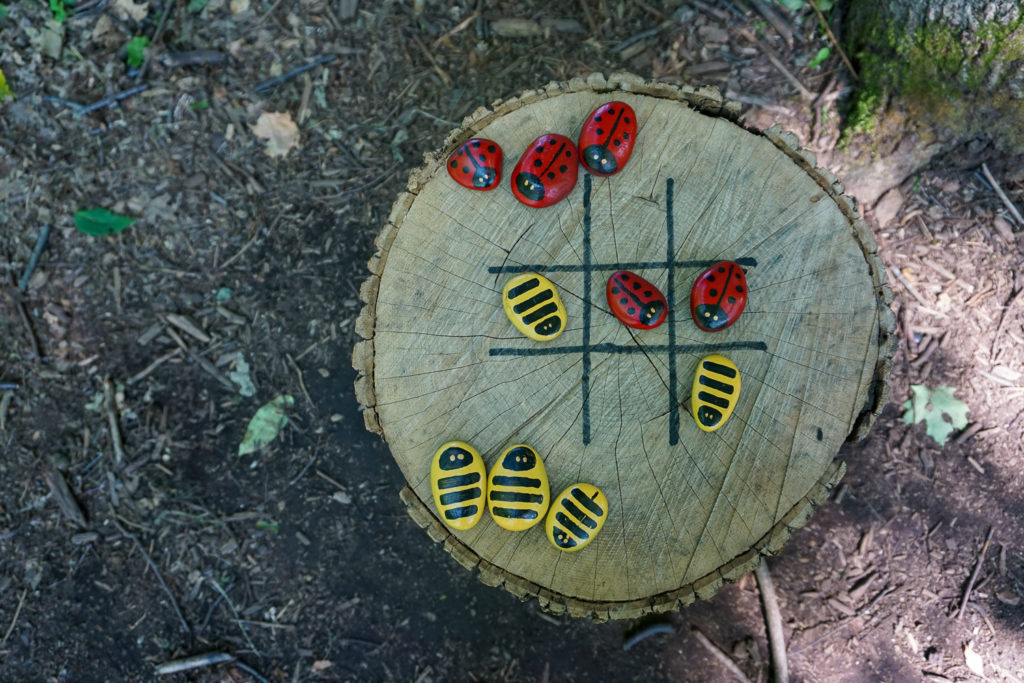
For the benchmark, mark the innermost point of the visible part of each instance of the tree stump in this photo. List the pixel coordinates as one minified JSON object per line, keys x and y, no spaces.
{"x":609,"y":405}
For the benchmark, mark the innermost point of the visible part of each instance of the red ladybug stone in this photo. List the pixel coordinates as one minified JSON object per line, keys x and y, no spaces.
{"x":546,"y":173}
{"x":718,"y":296}
{"x":476,"y":164}
{"x":607,"y":138}
{"x":635,"y":301}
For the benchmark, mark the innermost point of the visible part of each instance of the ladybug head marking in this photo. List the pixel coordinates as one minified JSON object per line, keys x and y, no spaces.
{"x":711,"y":317}
{"x":530,"y":186}
{"x":484,"y":177}
{"x":600,"y":160}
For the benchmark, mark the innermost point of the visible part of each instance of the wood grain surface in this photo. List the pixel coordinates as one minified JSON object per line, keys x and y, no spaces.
{"x":609,"y":405}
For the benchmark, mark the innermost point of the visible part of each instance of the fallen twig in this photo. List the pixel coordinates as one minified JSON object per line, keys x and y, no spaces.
{"x":277,"y":80}
{"x":110,"y":101}
{"x":775,"y":20}
{"x":34,"y":259}
{"x":196,"y":662}
{"x":773,"y":618}
{"x":1010,"y":206}
{"x":647,"y":631}
{"x":720,"y":655}
{"x":110,"y":404}
{"x":155,"y":39}
{"x":238,"y":619}
{"x":974,"y":574}
{"x":832,"y":37}
{"x":17,"y":612}
{"x":156,"y":572}
{"x":65,"y":500}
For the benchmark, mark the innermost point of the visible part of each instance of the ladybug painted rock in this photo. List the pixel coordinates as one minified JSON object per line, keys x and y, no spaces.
{"x":607,"y":138}
{"x":517,"y":489}
{"x":635,"y":301}
{"x":576,"y":516}
{"x":718,"y":296}
{"x":716,"y":388}
{"x":476,"y":164}
{"x":457,"y":480}
{"x":546,"y":173}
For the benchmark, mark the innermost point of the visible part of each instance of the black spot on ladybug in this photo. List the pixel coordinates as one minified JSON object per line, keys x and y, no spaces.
{"x":610,"y":110}
{"x":648,"y":294}
{"x":551,"y":176}
{"x":461,"y":151}
{"x":563,"y":168}
{"x":711,"y":278}
{"x":625,"y":278}
{"x":568,"y":154}
{"x":631,"y":310}
{"x":530,"y":186}
{"x":615,"y":290}
{"x":713,"y":292}
{"x":540,"y":150}
{"x":465,"y":169}
{"x":476,"y":143}
{"x":625,"y":136}
{"x":739,"y":289}
{"x":627,"y":120}
{"x":492,"y":149}
{"x":616,"y":142}
{"x":600,"y":131}
{"x":597,"y":118}
{"x":537,"y":163}
{"x":455,"y":164}
{"x":721,"y":270}
{"x":637,"y":285}
{"x":732,"y":299}
{"x":623,"y":301}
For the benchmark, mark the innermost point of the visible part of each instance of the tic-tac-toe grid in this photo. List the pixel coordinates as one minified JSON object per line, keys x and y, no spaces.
{"x":588,"y":268}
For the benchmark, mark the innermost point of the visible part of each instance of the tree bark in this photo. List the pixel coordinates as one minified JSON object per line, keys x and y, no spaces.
{"x":933,"y":75}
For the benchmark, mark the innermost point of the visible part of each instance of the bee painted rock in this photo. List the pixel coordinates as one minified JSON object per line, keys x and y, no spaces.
{"x":476,"y":164}
{"x":718,"y":296}
{"x":635,"y":301}
{"x":517,"y":489}
{"x":546,"y":173}
{"x":457,"y":479}
{"x":716,"y":388}
{"x":534,"y":307}
{"x":607,"y":138}
{"x":576,"y":516}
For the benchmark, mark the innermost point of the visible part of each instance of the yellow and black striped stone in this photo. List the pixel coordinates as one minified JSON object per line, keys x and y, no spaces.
{"x":576,"y":516}
{"x":517,"y":489}
{"x":457,"y":480}
{"x":532,"y":303}
{"x":716,"y":389}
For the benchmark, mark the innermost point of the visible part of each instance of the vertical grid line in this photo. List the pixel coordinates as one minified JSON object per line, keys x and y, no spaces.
{"x":586,"y":309}
{"x":673,"y":403}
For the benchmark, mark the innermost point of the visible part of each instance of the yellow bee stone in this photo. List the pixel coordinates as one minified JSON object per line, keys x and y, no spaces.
{"x":517,"y":489}
{"x":716,"y":388}
{"x":576,"y":516}
{"x":534,"y":307}
{"x":457,"y":479}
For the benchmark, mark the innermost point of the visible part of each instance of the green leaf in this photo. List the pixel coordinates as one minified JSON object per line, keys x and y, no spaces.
{"x":792,"y":5}
{"x":932,"y":406}
{"x":197,"y":6}
{"x":99,"y":221}
{"x":240,"y":376}
{"x":3,"y":11}
{"x":822,"y":55}
{"x":823,"y":5}
{"x":200,"y":104}
{"x":5,"y":90}
{"x":265,"y":424}
{"x":135,"y":52}
{"x":58,"y":9}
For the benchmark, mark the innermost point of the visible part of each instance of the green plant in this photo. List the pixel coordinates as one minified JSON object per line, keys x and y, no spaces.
{"x":932,"y":406}
{"x":99,"y":221}
{"x":3,"y":11}
{"x":197,"y":6}
{"x":135,"y":51}
{"x":60,"y":12}
{"x":822,"y":55}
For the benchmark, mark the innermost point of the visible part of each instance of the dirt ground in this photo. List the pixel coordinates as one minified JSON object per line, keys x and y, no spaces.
{"x":122,"y":551}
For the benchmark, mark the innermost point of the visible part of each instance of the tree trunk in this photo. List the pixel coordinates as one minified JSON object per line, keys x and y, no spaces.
{"x":608,"y":405}
{"x":933,"y":74}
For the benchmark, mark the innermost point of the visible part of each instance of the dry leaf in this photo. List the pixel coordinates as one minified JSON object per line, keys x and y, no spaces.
{"x":321,"y":664}
{"x":127,"y":8}
{"x":279,"y":130}
{"x":974,"y":661}
{"x":239,"y":6}
{"x":1008,"y":597}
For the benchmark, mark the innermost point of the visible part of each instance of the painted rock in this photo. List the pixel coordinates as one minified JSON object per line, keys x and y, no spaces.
{"x":718,"y":296}
{"x":577,"y":515}
{"x":476,"y":164}
{"x":607,"y":138}
{"x":534,"y":307}
{"x":546,"y":173}
{"x":635,"y":301}
{"x":517,"y":489}
{"x":457,"y":479}
{"x":716,"y":388}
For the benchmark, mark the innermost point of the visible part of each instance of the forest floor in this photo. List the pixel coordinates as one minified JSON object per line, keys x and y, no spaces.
{"x":132,"y":534}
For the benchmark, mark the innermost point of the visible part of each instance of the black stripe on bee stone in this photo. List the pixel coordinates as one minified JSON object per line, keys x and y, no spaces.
{"x":715,"y":384}
{"x":571,"y":526}
{"x":723,"y":370}
{"x":528,"y":482}
{"x":459,"y":513}
{"x":587,"y":502}
{"x":523,"y":288}
{"x":571,"y":508}
{"x":543,"y":311}
{"x":458,"y":480}
{"x":533,"y":301}
{"x":514,"y":513}
{"x":515,"y":497}
{"x":713,"y":400}
{"x":461,"y":496}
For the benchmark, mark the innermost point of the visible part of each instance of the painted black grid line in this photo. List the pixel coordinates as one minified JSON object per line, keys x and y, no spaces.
{"x":587,"y":267}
